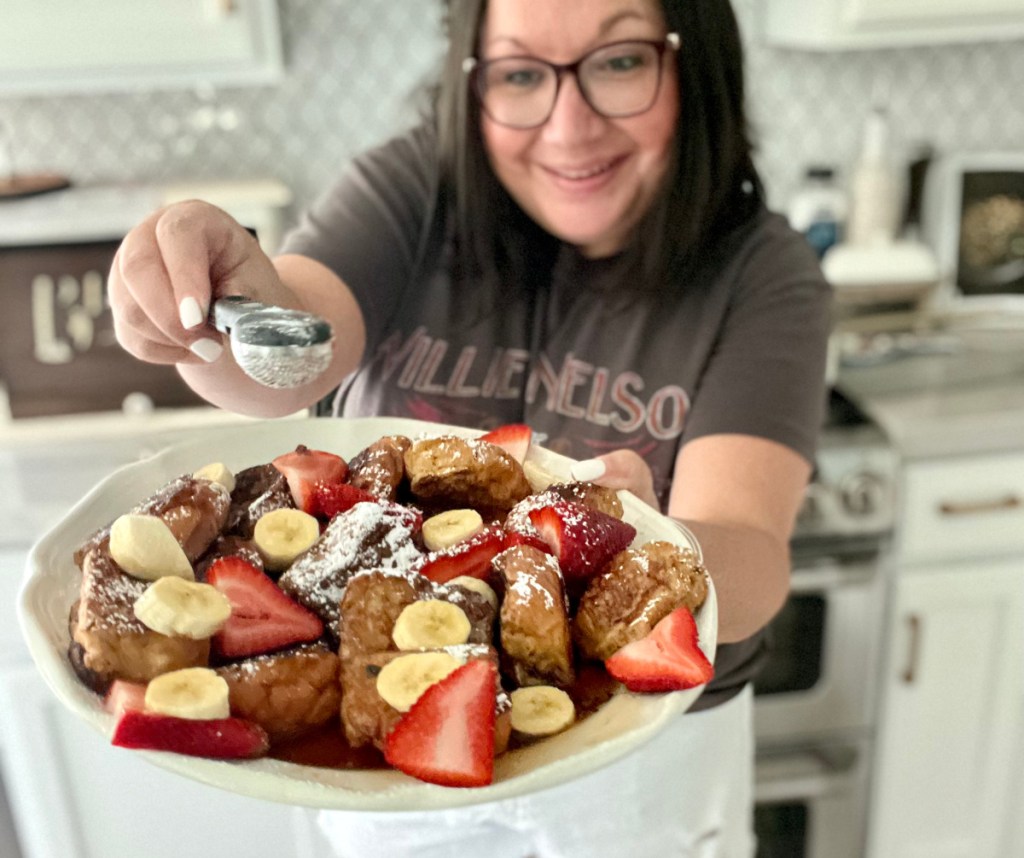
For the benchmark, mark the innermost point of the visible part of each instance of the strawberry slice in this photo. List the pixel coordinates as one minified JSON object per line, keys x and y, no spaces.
{"x":123,"y":695}
{"x":305,"y":469}
{"x":220,"y":738}
{"x":263,"y":618}
{"x":513,"y":438}
{"x":471,"y":557}
{"x":331,"y":499}
{"x":666,"y":659}
{"x":582,"y":538}
{"x":447,"y":737}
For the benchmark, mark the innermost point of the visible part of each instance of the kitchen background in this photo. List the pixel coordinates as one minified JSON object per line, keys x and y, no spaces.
{"x":891,"y":722}
{"x":353,"y":74}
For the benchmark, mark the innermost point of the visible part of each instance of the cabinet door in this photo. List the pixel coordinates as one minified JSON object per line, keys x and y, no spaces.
{"x":951,"y":714}
{"x":74,"y":796}
{"x":927,"y":12}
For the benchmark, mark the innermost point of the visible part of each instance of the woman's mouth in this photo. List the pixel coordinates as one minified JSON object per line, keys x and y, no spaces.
{"x":585,"y":177}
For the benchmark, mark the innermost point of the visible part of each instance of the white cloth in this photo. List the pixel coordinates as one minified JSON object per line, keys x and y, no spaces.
{"x":687,"y":792}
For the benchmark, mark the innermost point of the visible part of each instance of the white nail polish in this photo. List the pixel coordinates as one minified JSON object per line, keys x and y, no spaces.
{"x":588,"y":470}
{"x":190,"y":313}
{"x":208,"y":350}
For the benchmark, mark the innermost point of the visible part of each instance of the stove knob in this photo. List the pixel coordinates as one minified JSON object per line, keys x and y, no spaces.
{"x":863,"y":493}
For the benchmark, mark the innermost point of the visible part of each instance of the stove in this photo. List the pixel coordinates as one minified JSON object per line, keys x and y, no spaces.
{"x":815,"y":699}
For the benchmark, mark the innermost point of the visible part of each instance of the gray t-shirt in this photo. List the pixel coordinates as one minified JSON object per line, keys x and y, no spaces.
{"x":737,"y":348}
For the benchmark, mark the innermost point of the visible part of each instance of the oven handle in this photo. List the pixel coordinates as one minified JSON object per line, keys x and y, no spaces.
{"x":831,"y":576}
{"x":803,"y":775}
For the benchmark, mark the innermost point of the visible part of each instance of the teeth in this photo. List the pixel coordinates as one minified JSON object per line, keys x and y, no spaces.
{"x":583,"y":174}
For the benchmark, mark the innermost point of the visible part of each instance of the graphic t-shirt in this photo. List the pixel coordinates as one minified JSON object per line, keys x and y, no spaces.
{"x":593,"y":367}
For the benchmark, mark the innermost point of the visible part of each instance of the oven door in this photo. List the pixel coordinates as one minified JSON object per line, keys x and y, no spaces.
{"x":811,"y":802}
{"x":819,"y":678}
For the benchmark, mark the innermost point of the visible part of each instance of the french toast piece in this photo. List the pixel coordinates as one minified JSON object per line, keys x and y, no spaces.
{"x":380,"y":468}
{"x":287,"y":693}
{"x":258,"y":490}
{"x":367,"y":718}
{"x":116,"y":645}
{"x":373,"y":600}
{"x":639,"y":587}
{"x":601,"y":498}
{"x":367,"y":536}
{"x":464,"y":472}
{"x":535,"y":634}
{"x":194,"y":509}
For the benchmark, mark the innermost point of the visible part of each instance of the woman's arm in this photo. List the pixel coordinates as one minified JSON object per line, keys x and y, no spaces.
{"x":739,"y":495}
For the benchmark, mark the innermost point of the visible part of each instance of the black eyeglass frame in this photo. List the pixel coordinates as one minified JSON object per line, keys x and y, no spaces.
{"x":473,"y":66}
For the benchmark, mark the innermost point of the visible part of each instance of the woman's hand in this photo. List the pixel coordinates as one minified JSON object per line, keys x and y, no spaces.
{"x":168,"y":271}
{"x":620,"y":469}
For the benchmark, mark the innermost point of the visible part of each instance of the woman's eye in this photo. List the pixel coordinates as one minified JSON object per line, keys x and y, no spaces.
{"x":521,"y":77}
{"x":623,"y":63}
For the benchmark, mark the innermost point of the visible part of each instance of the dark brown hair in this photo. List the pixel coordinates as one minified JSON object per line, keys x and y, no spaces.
{"x":712,"y":188}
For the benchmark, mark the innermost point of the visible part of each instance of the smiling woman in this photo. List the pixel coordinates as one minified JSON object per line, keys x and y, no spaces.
{"x":576,"y":239}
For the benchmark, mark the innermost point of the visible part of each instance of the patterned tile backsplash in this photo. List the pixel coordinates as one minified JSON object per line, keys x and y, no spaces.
{"x":355,"y":70}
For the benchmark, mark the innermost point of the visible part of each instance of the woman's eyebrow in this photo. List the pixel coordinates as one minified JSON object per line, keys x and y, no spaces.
{"x":606,"y":25}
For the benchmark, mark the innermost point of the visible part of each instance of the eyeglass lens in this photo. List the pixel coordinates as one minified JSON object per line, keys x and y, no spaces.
{"x":616,"y":80}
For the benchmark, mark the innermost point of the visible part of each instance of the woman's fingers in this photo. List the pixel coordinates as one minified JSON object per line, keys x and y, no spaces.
{"x":620,"y":469}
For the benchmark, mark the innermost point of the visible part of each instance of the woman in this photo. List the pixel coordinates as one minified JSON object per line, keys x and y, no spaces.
{"x":577,"y":240}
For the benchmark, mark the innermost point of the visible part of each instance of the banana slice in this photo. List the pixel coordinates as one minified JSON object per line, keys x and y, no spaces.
{"x":477,"y":586}
{"x":541,"y":710}
{"x":449,"y":528}
{"x":282,"y":535}
{"x":174,"y":606}
{"x":145,"y":548}
{"x":217,"y":472}
{"x":193,"y":692}
{"x":430,"y":624}
{"x":402,"y":680}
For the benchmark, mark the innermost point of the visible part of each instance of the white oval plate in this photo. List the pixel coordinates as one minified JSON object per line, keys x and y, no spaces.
{"x":51,"y":586}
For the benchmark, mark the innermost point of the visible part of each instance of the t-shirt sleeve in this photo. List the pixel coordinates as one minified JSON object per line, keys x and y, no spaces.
{"x":765,"y":374}
{"x":368,"y":226}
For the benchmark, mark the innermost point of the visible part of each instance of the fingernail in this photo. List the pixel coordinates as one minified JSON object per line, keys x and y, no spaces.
{"x":208,"y":350}
{"x":588,"y":470}
{"x":190,"y":313}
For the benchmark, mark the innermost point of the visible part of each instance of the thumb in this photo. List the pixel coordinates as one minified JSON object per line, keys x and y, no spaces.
{"x":619,"y":469}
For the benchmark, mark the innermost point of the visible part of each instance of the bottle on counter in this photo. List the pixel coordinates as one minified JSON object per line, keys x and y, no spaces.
{"x":874,"y":187}
{"x":818,"y":208}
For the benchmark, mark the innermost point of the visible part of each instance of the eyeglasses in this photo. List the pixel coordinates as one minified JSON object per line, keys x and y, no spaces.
{"x":617,"y":80}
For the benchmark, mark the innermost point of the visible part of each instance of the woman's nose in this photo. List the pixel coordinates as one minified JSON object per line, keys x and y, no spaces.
{"x":572,"y":119}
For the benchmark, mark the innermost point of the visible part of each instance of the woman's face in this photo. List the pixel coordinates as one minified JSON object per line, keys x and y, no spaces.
{"x":587,"y":179}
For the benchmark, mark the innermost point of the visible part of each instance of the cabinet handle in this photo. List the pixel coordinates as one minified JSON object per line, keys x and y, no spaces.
{"x":994,"y":505}
{"x":914,"y":626}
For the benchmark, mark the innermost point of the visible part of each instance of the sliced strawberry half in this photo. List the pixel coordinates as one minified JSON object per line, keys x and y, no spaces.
{"x":447,"y":737}
{"x":305,"y":469}
{"x":582,"y":538}
{"x":334,"y":498}
{"x":513,"y":438}
{"x":667,"y":659}
{"x":471,"y":557}
{"x":123,"y":695}
{"x":263,"y":617}
{"x":220,"y":738}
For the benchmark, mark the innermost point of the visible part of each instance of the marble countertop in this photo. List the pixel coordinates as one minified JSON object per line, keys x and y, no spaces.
{"x":965,"y":402}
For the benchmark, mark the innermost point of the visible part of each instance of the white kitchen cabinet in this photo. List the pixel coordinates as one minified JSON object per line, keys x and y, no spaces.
{"x":851,"y":24}
{"x":74,"y":796}
{"x":952,"y":713}
{"x":58,"y":46}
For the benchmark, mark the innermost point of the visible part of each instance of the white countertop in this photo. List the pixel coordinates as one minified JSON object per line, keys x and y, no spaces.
{"x":968,"y":402}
